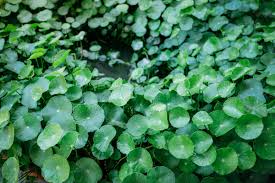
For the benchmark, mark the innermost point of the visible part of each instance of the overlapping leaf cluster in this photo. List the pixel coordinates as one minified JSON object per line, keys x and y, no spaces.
{"x":198,"y":105}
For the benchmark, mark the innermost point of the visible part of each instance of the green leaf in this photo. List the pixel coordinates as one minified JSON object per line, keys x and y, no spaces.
{"x":56,"y":169}
{"x":102,"y":155}
{"x":33,"y":92}
{"x":264,"y":145}
{"x":74,"y":93}
{"x":50,"y":136}
{"x":234,"y":107}
{"x":67,"y":144}
{"x":58,"y":86}
{"x":212,"y":45}
{"x":179,"y":117}
{"x":4,"y":116}
{"x":202,"y":141}
{"x":271,"y":80}
{"x":254,"y":106}
{"x":181,"y":146}
{"x":249,"y":127}
{"x":44,"y":15}
{"x":190,"y":178}
{"x":137,"y":125}
{"x":60,"y":58}
{"x":157,"y":7}
{"x":87,"y":171}
{"x":144,"y":4}
{"x":38,"y":156}
{"x":90,"y":117}
{"x":10,"y":170}
{"x":216,"y":23}
{"x":226,"y":161}
{"x":246,"y":156}
{"x":206,"y":158}
{"x":125,"y":143}
{"x":135,"y":178}
{"x":202,"y":118}
{"x":140,"y":160}
{"x":221,"y":123}
{"x":226,"y":89}
{"x":103,"y":137}
{"x":27,"y":127}
{"x":6,"y":137}
{"x":120,"y":96}
{"x":157,"y":115}
{"x":57,"y":105}
{"x":82,"y":76}
{"x":160,"y":174}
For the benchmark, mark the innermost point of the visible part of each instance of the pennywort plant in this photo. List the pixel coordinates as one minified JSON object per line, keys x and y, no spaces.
{"x":129,"y":91}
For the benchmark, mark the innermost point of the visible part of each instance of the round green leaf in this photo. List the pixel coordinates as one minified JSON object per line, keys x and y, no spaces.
{"x":222,"y":123}
{"x":67,"y":144}
{"x":137,"y":125}
{"x":103,"y":137}
{"x":121,"y":95}
{"x":179,"y":117}
{"x":246,"y":156}
{"x":6,"y":137}
{"x":102,"y":155}
{"x":135,"y":178}
{"x":82,"y":137}
{"x":50,"y":136}
{"x":206,"y":158}
{"x":58,"y":86}
{"x":10,"y":170}
{"x":140,"y":160}
{"x":56,"y":169}
{"x":234,"y":107}
{"x":38,"y":156}
{"x":157,"y":116}
{"x":265,"y":144}
{"x":57,"y":104}
{"x":44,"y":15}
{"x":74,"y":93}
{"x":82,"y":76}
{"x":226,"y":161}
{"x":187,"y":166}
{"x":181,"y":146}
{"x":90,"y":117}
{"x":202,"y":118}
{"x":27,"y":127}
{"x":87,"y":171}
{"x":190,"y":178}
{"x":125,"y":143}
{"x":202,"y":141}
{"x":161,"y":174}
{"x":249,"y":127}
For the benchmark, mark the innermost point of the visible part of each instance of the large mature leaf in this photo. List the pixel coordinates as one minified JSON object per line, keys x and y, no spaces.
{"x":121,"y":95}
{"x":50,"y":136}
{"x":246,"y":156}
{"x":221,"y":123}
{"x":6,"y":137}
{"x":55,"y":169}
{"x":90,"y":117}
{"x":181,"y":146}
{"x":10,"y":170}
{"x":226,"y":162}
{"x":103,"y":137}
{"x":27,"y":127}
{"x":140,"y":160}
{"x":249,"y":127}
{"x":161,"y":174}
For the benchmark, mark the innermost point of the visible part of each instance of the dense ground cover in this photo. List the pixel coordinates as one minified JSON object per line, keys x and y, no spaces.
{"x":137,"y":91}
